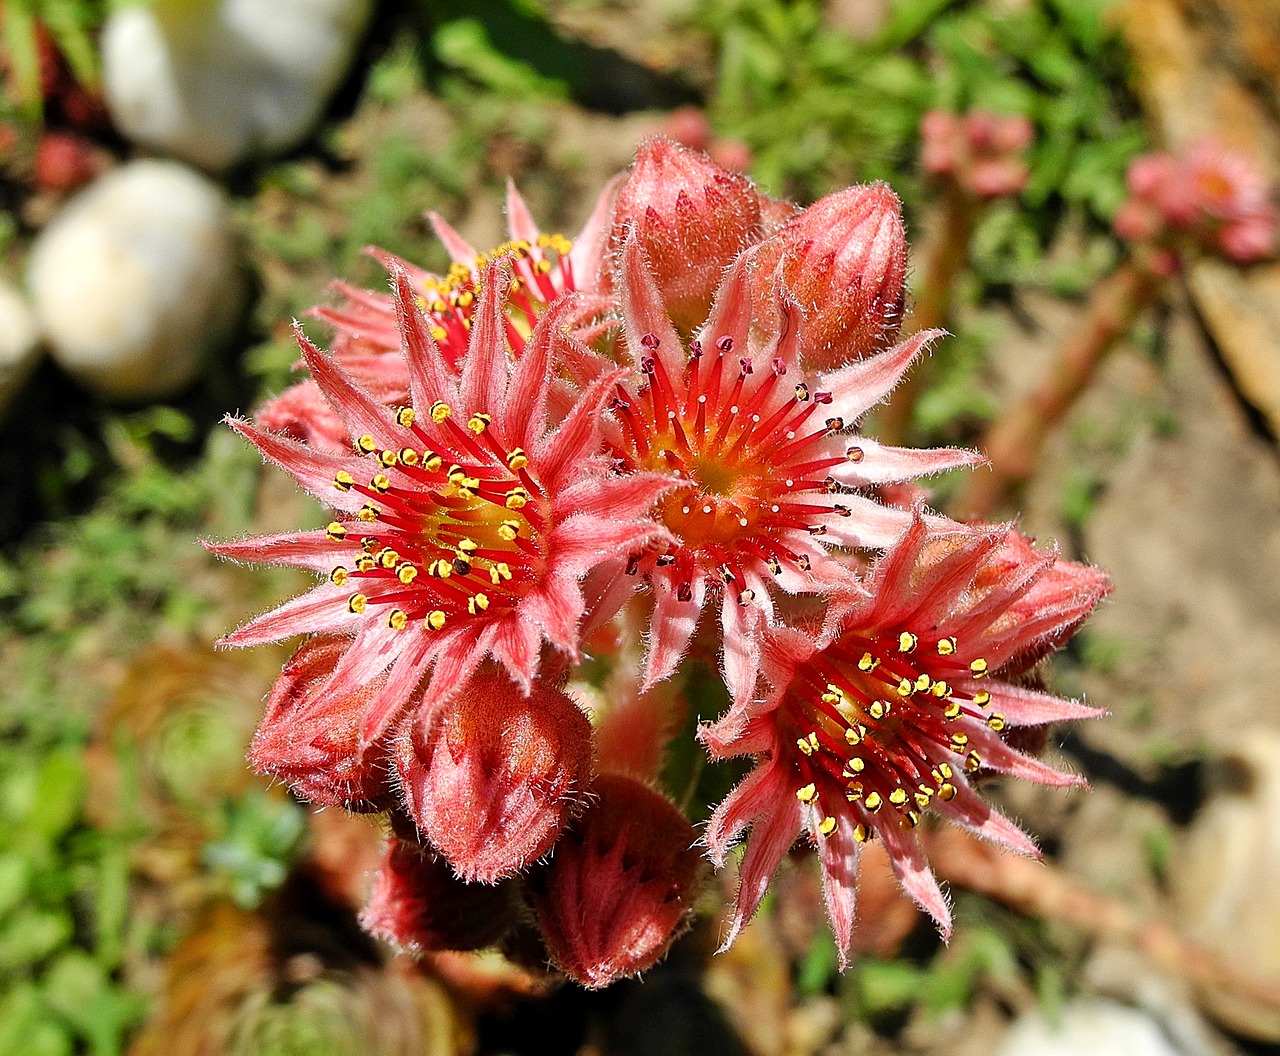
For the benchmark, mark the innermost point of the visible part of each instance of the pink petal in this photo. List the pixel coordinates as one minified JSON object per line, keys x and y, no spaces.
{"x":839,"y":854}
{"x":560,"y":457}
{"x":396,"y":694}
{"x":430,"y":378}
{"x":587,"y":255}
{"x":313,"y":469}
{"x":519,"y":220}
{"x":358,"y":410}
{"x":313,"y":550}
{"x":741,"y":625}
{"x":771,"y":837}
{"x":996,"y":754}
{"x":672,"y":626}
{"x":970,"y":811}
{"x":322,"y":609}
{"x":880,"y":464}
{"x":645,"y":314}
{"x":862,"y":384}
{"x":556,"y":606}
{"x":1028,"y":707}
{"x":485,"y":368}
{"x":913,"y":872}
{"x":459,"y":248}
{"x":584,"y":540}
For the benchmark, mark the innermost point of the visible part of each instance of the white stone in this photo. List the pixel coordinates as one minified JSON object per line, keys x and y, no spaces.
{"x":19,"y":343}
{"x":1089,"y":1027}
{"x":137,"y":278}
{"x":218,"y":81}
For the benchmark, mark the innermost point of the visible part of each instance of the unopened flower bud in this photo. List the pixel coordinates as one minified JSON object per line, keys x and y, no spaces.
{"x":312,"y":744}
{"x":691,"y":218}
{"x":418,"y":904}
{"x":844,"y":262}
{"x":620,"y":885}
{"x":492,"y":780}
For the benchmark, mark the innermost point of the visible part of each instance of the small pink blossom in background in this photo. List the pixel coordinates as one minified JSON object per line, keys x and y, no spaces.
{"x":980,"y":151}
{"x":1214,"y":197}
{"x":690,"y":127}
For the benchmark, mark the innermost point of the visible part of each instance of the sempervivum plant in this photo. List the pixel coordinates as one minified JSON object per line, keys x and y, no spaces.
{"x":550,"y":456}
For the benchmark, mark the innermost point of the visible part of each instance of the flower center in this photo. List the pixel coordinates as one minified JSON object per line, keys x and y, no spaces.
{"x":748,"y":449}
{"x":455,"y":524}
{"x":875,"y":717}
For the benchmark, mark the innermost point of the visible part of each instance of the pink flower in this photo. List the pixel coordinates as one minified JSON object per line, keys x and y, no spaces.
{"x":890,"y":711}
{"x":366,"y":343}
{"x":464,"y":522}
{"x":843,"y":262}
{"x":620,"y":886}
{"x":691,"y":217}
{"x":1217,"y":198}
{"x":980,"y":150}
{"x":765,"y":475}
{"x":493,"y":776}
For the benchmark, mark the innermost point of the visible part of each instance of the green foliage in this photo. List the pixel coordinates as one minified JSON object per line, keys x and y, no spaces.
{"x":260,"y":835}
{"x":71,"y":25}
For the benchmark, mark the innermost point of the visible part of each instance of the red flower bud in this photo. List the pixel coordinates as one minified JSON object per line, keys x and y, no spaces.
{"x":494,"y":777}
{"x":312,"y":744}
{"x":418,"y":904}
{"x":621,"y":883}
{"x":691,"y":217}
{"x":844,"y":262}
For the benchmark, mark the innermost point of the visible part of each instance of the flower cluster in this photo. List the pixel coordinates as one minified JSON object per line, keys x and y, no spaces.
{"x":1208,"y":196}
{"x":980,"y":151}
{"x":643,"y":446}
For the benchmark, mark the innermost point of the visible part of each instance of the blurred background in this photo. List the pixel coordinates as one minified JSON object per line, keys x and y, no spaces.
{"x":179,"y":179}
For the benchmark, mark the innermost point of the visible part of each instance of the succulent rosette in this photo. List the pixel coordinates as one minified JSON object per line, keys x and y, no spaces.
{"x":892,"y":708}
{"x":464,"y":520}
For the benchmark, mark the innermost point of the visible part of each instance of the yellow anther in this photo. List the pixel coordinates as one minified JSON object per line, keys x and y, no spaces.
{"x":335,"y":531}
{"x":952,"y":710}
{"x":946,"y":792}
{"x":802,"y":392}
{"x":435,"y":620}
{"x":944,"y":769}
{"x":439,"y":333}
{"x":746,"y":597}
{"x":439,"y":307}
{"x":904,"y":687}
{"x":365,"y":563}
{"x":468,"y":484}
{"x":477,"y":603}
{"x":542,"y":267}
{"x":855,"y":454}
{"x":467,"y":546}
{"x":380,"y":483}
{"x":860,"y":833}
{"x":369,"y":543}
{"x":407,"y":573}
{"x":440,"y":412}
{"x":388,"y":558}
{"x":946,"y":646}
{"x":517,"y":459}
{"x":803,"y":745}
{"x":367,"y":513}
{"x":972,"y":761}
{"x":456,"y":473}
{"x":879,"y":709}
{"x":898,"y":797}
{"x":503,"y":569}
{"x":508,"y":530}
{"x":958,"y":741}
{"x":923,"y":683}
{"x":397,"y":619}
{"x":809,"y":743}
{"x":982,"y":698}
{"x":941,"y":690}
{"x":342,"y":480}
{"x":478,"y":423}
{"x":465,"y":299}
{"x":389,"y":458}
{"x":996,"y":722}
{"x":826,"y":826}
{"x":978,"y":668}
{"x":339,"y":576}
{"x":910,"y":819}
{"x":808,"y":793}
{"x":366,"y":444}
{"x":405,"y":416}
{"x":867,"y":662}
{"x":873,"y":801}
{"x":907,"y":642}
{"x":408,"y":456}
{"x":835,"y":424}
{"x":922,"y":799}
{"x":517,"y":499}
{"x":854,"y":766}
{"x":440,"y":569}
{"x":431,"y":462}
{"x":855,"y":792}
{"x":356,"y":604}
{"x":855,"y":734}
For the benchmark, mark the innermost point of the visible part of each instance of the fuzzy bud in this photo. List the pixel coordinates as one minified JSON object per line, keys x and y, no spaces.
{"x":492,"y":779}
{"x":312,"y":744}
{"x":844,"y":262}
{"x":691,"y":218}
{"x":620,"y":886}
{"x":419,"y":905}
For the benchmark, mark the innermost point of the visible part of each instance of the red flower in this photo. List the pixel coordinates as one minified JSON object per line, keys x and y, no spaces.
{"x":979,"y":150}
{"x":495,"y":775}
{"x":903,"y":696}
{"x":544,"y":268}
{"x":766,"y":475}
{"x":465,"y":523}
{"x":620,"y":885}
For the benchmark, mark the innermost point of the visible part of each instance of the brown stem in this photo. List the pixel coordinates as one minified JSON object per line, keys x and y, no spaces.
{"x":945,"y":255}
{"x":1042,"y":890}
{"x":1014,"y":441}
